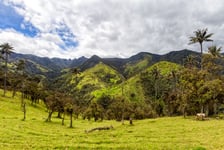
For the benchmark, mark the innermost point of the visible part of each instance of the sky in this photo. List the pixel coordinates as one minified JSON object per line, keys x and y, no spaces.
{"x":107,"y":28}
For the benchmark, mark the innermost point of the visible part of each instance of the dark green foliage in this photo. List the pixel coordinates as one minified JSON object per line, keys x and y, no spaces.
{"x":94,"y":111}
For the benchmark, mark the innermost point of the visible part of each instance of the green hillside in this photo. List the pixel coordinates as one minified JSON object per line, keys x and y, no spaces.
{"x":165,"y":67}
{"x":100,"y":75}
{"x":162,"y":133}
{"x":134,"y":68}
{"x":102,"y":79}
{"x":95,"y":81}
{"x":133,"y":88}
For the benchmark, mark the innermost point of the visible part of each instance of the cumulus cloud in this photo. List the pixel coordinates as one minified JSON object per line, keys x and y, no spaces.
{"x":113,"y":28}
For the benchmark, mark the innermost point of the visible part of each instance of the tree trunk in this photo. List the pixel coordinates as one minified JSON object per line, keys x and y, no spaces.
{"x":99,"y":128}
{"x":59,"y":114}
{"x":130,"y":121}
{"x":202,"y":108}
{"x":122,"y":118}
{"x":49,"y":116}
{"x":215,"y":107}
{"x":156,"y":90}
{"x":14,"y":92}
{"x":24,"y":111}
{"x":201,"y":63}
{"x":5,"y":75}
{"x":63,"y":119}
{"x":71,"y":119}
{"x":184,"y":112}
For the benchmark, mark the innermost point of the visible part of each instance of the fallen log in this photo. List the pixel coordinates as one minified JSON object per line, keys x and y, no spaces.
{"x":99,"y":128}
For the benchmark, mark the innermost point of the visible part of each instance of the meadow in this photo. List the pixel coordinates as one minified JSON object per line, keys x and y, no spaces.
{"x":165,"y":133}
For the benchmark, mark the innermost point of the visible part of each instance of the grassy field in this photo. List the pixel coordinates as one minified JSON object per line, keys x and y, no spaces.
{"x":156,"y":134}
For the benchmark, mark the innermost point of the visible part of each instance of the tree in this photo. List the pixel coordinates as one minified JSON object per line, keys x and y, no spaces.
{"x":18,"y":78}
{"x":6,"y":50}
{"x":94,"y":111}
{"x":200,"y":37}
{"x":119,"y":109}
{"x":156,"y":74}
{"x":210,"y":92}
{"x":189,"y":82}
{"x":215,"y":51}
{"x":76,"y":72}
{"x":190,"y":61}
{"x":54,"y":102}
{"x":69,"y":107}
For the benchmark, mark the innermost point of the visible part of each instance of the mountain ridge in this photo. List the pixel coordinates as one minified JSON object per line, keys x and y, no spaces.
{"x":54,"y":66}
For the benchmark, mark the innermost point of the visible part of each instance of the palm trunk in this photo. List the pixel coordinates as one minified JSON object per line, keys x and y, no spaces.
{"x":215,"y":108}
{"x":202,"y":108}
{"x":156,"y":89}
{"x":5,"y":75}
{"x":201,"y":63}
{"x":184,"y":112}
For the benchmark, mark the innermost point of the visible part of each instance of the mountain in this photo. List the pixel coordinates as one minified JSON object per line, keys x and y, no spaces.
{"x":91,"y":62}
{"x":52,"y":67}
{"x":112,"y":76}
{"x":130,"y":66}
{"x":102,"y":79}
{"x":94,"y":81}
{"x":178,"y":56}
{"x":133,"y":89}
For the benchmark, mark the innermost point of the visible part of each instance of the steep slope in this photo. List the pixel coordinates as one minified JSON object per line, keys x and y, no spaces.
{"x":95,"y":81}
{"x":91,"y":62}
{"x":133,"y":67}
{"x":103,"y":79}
{"x":178,"y":56}
{"x":49,"y":67}
{"x":130,"y":66}
{"x":133,"y":87}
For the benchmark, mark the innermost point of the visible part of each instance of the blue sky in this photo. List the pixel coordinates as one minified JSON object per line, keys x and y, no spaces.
{"x":11,"y":19}
{"x":108,"y":28}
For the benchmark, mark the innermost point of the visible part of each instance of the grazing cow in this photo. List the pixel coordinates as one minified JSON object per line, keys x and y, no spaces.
{"x":200,"y":116}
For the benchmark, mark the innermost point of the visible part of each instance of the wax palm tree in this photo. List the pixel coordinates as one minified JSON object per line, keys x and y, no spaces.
{"x":215,"y":51}
{"x":6,"y":50}
{"x":156,"y":74}
{"x":200,"y":37}
{"x":75,"y":71}
{"x":191,"y":61}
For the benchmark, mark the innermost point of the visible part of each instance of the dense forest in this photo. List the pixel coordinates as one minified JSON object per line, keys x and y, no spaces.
{"x":142,"y":88}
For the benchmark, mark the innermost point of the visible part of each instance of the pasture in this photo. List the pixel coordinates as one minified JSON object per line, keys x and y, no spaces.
{"x":156,"y":134}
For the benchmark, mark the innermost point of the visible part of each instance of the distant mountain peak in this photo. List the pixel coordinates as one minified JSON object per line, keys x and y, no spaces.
{"x":53,"y":66}
{"x":95,"y":57}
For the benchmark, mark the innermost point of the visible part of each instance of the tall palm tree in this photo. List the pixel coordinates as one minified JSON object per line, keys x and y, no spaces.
{"x":75,"y":71}
{"x":200,"y":37}
{"x":191,"y":61}
{"x":156,"y":73}
{"x":215,"y":51}
{"x":6,"y":50}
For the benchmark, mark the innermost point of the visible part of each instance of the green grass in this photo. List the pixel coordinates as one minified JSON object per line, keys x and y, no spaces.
{"x":156,"y":134}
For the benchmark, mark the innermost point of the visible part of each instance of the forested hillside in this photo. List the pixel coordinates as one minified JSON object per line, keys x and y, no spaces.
{"x":143,"y":86}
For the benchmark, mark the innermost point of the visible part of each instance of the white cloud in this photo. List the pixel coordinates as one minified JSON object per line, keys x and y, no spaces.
{"x":114,"y":28}
{"x":39,"y":45}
